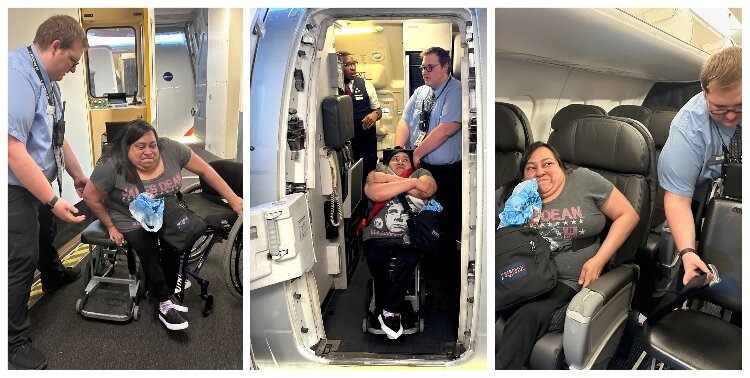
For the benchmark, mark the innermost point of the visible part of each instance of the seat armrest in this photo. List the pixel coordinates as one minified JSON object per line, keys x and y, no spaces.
{"x":596,"y":316}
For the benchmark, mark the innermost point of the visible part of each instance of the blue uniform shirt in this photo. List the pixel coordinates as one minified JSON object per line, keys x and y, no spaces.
{"x":685,"y":167}
{"x":28,"y":120}
{"x":447,"y":108}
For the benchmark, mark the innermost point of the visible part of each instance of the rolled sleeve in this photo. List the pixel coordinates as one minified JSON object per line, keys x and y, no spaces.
{"x":21,"y":109}
{"x":680,"y":163}
{"x":451,"y":111}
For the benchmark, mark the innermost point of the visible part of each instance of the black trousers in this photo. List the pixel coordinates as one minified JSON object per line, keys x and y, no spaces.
{"x":448,"y":179}
{"x":31,"y":231}
{"x":527,"y":324}
{"x":390,"y":290}
{"x":161,"y":263}
{"x":365,"y":146}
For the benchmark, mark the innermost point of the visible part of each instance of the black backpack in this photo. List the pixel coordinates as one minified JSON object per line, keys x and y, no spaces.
{"x":524,"y":266}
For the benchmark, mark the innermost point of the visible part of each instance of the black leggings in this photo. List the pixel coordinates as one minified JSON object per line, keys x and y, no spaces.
{"x":391,"y":290}
{"x":526,"y":325}
{"x":161,"y":263}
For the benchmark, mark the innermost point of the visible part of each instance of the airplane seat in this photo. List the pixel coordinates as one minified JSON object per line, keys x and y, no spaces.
{"x":338,"y":131}
{"x":658,"y":108}
{"x":622,"y":150}
{"x":572,"y":112}
{"x":659,"y":125}
{"x":512,"y":136}
{"x":688,"y":338}
{"x":639,"y":113}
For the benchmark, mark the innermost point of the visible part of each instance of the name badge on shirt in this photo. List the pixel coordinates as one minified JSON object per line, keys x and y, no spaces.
{"x":420,"y":139}
{"x":716,"y":159}
{"x":359,"y":97}
{"x":51,"y":110}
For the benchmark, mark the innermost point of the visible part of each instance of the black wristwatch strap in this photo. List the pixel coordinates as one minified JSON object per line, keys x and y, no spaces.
{"x":51,"y":204}
{"x":687,"y":250}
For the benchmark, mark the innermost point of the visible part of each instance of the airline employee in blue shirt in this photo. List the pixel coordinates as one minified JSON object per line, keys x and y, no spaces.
{"x":705,"y":131}
{"x":36,"y":151}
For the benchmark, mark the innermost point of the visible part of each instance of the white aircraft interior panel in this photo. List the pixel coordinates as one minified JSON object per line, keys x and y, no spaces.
{"x":175,"y":90}
{"x":282,"y":248}
{"x":551,"y":88}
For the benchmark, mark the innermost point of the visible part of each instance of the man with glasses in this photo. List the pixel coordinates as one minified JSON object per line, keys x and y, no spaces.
{"x":705,"y":133}
{"x":37,"y":154}
{"x":366,"y":113}
{"x":431,"y":126}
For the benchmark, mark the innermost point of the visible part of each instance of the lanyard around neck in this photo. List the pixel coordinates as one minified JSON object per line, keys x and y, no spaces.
{"x":50,"y":96}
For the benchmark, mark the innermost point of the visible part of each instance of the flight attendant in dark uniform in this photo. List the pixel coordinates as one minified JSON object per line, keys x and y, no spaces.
{"x":366,"y":113}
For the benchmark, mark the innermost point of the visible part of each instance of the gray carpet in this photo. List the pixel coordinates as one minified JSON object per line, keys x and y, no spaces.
{"x":71,"y":341}
{"x":346,"y":308}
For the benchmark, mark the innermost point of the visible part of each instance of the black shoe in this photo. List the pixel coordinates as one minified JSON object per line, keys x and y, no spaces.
{"x":27,"y":357}
{"x":173,"y":320}
{"x":70,"y":274}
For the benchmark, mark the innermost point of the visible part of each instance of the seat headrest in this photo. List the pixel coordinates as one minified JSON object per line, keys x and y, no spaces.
{"x":604,"y":142}
{"x":639,"y":113}
{"x":659,"y":126}
{"x":509,"y":134}
{"x":573,"y":111}
{"x":524,"y":121}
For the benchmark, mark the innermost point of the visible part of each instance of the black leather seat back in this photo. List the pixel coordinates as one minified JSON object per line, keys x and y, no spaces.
{"x":510,"y":143}
{"x":338,"y":121}
{"x":639,"y":113}
{"x":659,"y":125}
{"x":721,"y":245}
{"x":229,"y":170}
{"x":572,"y":112}
{"x":621,"y":150}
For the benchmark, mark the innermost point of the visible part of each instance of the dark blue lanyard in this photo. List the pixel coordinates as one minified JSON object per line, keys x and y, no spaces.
{"x":50,"y":96}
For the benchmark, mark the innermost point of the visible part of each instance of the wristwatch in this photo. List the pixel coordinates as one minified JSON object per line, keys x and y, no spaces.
{"x":51,"y":204}
{"x":687,"y":250}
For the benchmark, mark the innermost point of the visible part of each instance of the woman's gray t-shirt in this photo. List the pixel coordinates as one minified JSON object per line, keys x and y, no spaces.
{"x":175,"y":156}
{"x":576,"y":214}
{"x":390,"y":221}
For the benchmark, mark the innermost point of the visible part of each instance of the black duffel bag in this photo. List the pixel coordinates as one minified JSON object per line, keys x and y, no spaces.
{"x":524,"y":266}
{"x":424,"y":228}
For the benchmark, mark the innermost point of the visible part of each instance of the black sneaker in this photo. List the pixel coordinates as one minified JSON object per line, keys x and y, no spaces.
{"x":391,"y":325}
{"x":27,"y":357}
{"x":173,"y":320}
{"x":70,"y":274}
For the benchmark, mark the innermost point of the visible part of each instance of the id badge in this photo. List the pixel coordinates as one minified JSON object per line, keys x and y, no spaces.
{"x":420,"y":138}
{"x":51,"y":110}
{"x":716,"y":159}
{"x":359,"y":97}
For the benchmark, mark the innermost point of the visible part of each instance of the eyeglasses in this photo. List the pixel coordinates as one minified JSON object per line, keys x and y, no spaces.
{"x":725,"y":111}
{"x":350,"y":64}
{"x":721,"y":111}
{"x":429,"y":67}
{"x":74,"y":62}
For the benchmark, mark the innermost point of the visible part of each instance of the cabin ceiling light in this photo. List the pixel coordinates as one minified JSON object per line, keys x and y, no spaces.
{"x":345,"y":28}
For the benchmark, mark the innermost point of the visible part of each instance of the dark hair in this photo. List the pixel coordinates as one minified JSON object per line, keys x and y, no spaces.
{"x":65,"y":28}
{"x":443,"y":56}
{"x":525,"y":159}
{"x":343,"y":54}
{"x":119,"y":147}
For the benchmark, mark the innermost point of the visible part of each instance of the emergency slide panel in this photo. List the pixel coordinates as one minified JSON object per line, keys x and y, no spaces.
{"x":280,"y":241}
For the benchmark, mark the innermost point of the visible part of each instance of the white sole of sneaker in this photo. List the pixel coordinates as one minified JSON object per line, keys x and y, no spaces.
{"x":180,"y":308}
{"x":389,"y":332}
{"x":173,"y":327}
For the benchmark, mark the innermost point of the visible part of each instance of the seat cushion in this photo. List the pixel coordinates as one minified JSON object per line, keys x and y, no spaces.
{"x":212,"y":209}
{"x":690,"y":339}
{"x":96,"y":234}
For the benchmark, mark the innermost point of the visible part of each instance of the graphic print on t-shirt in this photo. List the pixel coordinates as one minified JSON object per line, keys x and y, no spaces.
{"x":565,"y":223}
